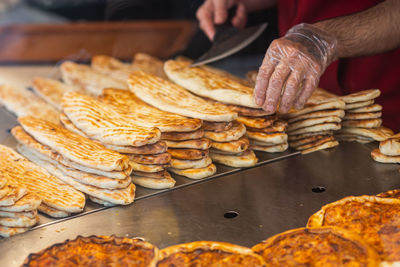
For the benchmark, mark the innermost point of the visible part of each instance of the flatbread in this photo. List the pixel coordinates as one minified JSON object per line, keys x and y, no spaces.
{"x":255,"y":122}
{"x":29,"y":202}
{"x":11,"y":231}
{"x":198,"y":173}
{"x":237,"y":146}
{"x":149,"y":64}
{"x":206,"y":83}
{"x":315,"y":143}
{"x":319,"y":246}
{"x":148,"y":116}
{"x":351,"y":106}
{"x":313,"y":121}
{"x":277,"y":126}
{"x":361,"y":96}
{"x":3,"y":182}
{"x":380,"y":157}
{"x":272,"y":138}
{"x":362,"y":116}
{"x":378,"y":134}
{"x":248,"y":112}
{"x":15,"y":193}
{"x":329,"y":126}
{"x":52,"y":212}
{"x":170,"y":97}
{"x":154,"y":183}
{"x":4,"y":191}
{"x":202,"y":143}
{"x":320,"y":96}
{"x":69,"y":125}
{"x":9,"y":214}
{"x":217,"y":126}
{"x":112,"y":67}
{"x":301,"y":136}
{"x":335,"y":104}
{"x":270,"y":149}
{"x":307,"y":140}
{"x":53,"y":192}
{"x":319,"y":114}
{"x":186,"y":153}
{"x":160,"y":174}
{"x":235,"y":133}
{"x":391,"y":146}
{"x":51,"y":90}
{"x":368,"y":123}
{"x":106,"y":123}
{"x":191,"y":164}
{"x":87,"y":79}
{"x":101,"y":202}
{"x":251,"y":76}
{"x":352,"y":138}
{"x":177,"y":136}
{"x":245,"y":159}
{"x":156,"y":148}
{"x":73,"y":146}
{"x":22,"y":102}
{"x":325,"y":145}
{"x":21,"y":221}
{"x":370,"y":108}
{"x":147,"y":167}
{"x":163,"y":158}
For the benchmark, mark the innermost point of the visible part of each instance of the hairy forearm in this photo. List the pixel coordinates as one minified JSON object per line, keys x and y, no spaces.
{"x":372,"y":31}
{"x":256,"y":5}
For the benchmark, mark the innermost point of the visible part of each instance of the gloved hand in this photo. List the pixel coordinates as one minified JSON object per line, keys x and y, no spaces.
{"x":216,"y":12}
{"x":292,"y":67}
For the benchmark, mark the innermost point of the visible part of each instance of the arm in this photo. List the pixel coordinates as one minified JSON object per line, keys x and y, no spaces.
{"x":296,"y":61}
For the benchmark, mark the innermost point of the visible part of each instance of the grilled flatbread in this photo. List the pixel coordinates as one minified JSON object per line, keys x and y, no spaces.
{"x":105,"y":123}
{"x":202,"y":143}
{"x":317,"y":128}
{"x":237,"y":146}
{"x":320,"y":96}
{"x":156,"y":148}
{"x":154,"y":183}
{"x":319,"y":114}
{"x":190,"y":164}
{"x":163,"y":158}
{"x":370,"y":108}
{"x":373,"y":218}
{"x":9,"y":214}
{"x":149,"y":64}
{"x":36,"y":180}
{"x":186,"y":153}
{"x":307,"y":140}
{"x":101,"y":202}
{"x":177,"y":136}
{"x":159,"y":175}
{"x":271,"y":148}
{"x":277,"y":126}
{"x":73,"y":146}
{"x":21,"y":221}
{"x":325,"y":145}
{"x":245,"y":159}
{"x":70,"y":126}
{"x":301,"y":136}
{"x":87,"y":79}
{"x":197,"y":173}
{"x":247,"y":112}
{"x":272,"y":138}
{"x":217,"y":126}
{"x":313,"y":121}
{"x":29,"y":202}
{"x":148,"y":116}
{"x":367,"y":123}
{"x":362,"y":116}
{"x":52,"y":212}
{"x":22,"y":102}
{"x":170,"y":97}
{"x":11,"y":231}
{"x":209,"y":253}
{"x":15,"y":193}
{"x":391,"y":146}
{"x":362,"y":104}
{"x":3,"y":182}
{"x":257,"y":122}
{"x":235,"y":133}
{"x":112,"y":67}
{"x":380,"y":157}
{"x":315,"y":143}
{"x":322,"y":246}
{"x":352,"y":138}
{"x":96,"y":250}
{"x":147,"y":167}
{"x":51,"y":90}
{"x":361,"y":96}
{"x":335,"y":104}
{"x":378,"y":134}
{"x":4,"y":191}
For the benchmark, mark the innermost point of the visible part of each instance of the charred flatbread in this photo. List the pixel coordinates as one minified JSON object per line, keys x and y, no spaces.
{"x":270,"y":148}
{"x":391,"y":146}
{"x":273,"y":138}
{"x":370,"y":108}
{"x":361,"y":96}
{"x":378,"y":134}
{"x":245,"y":159}
{"x":202,"y":143}
{"x":368,"y":123}
{"x":163,"y":158}
{"x":190,"y":164}
{"x":259,"y":123}
{"x":97,"y":250}
{"x":361,"y":104}
{"x":217,"y":126}
{"x":235,"y":133}
{"x":319,"y":114}
{"x":237,"y":146}
{"x":313,"y":121}
{"x":380,"y":157}
{"x":186,"y":153}
{"x":196,"y":173}
{"x":320,"y":246}
{"x":328,"y":126}
{"x":112,"y":67}
{"x":326,"y":145}
{"x":156,"y":148}
{"x":177,"y":136}
{"x":154,"y":183}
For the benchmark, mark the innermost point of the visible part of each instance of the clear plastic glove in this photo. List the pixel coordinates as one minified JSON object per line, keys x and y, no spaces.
{"x":292,"y":67}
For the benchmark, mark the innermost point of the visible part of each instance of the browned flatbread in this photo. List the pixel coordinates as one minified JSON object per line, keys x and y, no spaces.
{"x":217,"y":126}
{"x":370,"y":108}
{"x":163,"y":158}
{"x":69,"y":125}
{"x":29,"y":202}
{"x":237,"y":146}
{"x":361,"y":96}
{"x":156,"y":148}
{"x":202,"y":143}
{"x":244,"y":159}
{"x":325,"y":145}
{"x":334,"y":104}
{"x":15,"y":193}
{"x":235,"y":133}
{"x":149,"y":64}
{"x":306,"y":140}
{"x":112,"y":67}
{"x":270,"y":148}
{"x":351,"y":138}
{"x":320,"y":96}
{"x":362,"y":116}
{"x":259,"y":123}
{"x":248,"y":112}
{"x":315,"y":143}
{"x":154,"y":183}
{"x":251,"y":76}
{"x":9,"y":214}
{"x":378,"y":134}
{"x":196,"y":173}
{"x":391,"y":146}
{"x":178,"y":136}
{"x":183,"y":164}
{"x":318,"y":114}
{"x":367,"y":123}
{"x":147,"y":167}
{"x":329,"y":126}
{"x":278,"y":126}
{"x":186,"y":153}
{"x":361,"y":104}
{"x":11,"y":231}
{"x":159,"y":175}
{"x":380,"y":157}
{"x":274,"y":138}
{"x":313,"y":121}
{"x":52,"y":212}
{"x":301,"y":136}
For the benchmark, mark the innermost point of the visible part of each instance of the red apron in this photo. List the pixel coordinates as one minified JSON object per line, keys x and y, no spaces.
{"x":354,"y":74}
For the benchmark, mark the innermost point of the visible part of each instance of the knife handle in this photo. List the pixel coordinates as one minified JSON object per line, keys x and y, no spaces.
{"x":226,"y":29}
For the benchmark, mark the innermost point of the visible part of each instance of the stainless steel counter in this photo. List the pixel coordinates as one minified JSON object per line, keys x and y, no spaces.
{"x":268,"y":199}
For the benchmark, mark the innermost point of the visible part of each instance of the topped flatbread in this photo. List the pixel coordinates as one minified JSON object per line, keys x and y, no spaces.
{"x":171,"y":97}
{"x":112,"y":67}
{"x":206,"y":83}
{"x":105,"y":123}
{"x":361,"y":96}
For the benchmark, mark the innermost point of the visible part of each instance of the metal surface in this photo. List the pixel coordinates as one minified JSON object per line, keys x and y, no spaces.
{"x":268,"y":199}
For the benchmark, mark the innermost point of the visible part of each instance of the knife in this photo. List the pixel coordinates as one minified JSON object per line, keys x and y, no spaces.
{"x":228,"y":40}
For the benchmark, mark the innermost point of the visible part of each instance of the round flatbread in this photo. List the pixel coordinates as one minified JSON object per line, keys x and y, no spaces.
{"x":245,"y":159}
{"x":160,"y":174}
{"x":313,"y":121}
{"x":237,"y":131}
{"x":362,"y":116}
{"x":180,"y":136}
{"x":322,"y":246}
{"x":370,"y":108}
{"x":183,"y":164}
{"x":217,"y":126}
{"x":96,"y":250}
{"x":202,"y":143}
{"x":198,"y":173}
{"x":318,"y":114}
{"x":156,"y":148}
{"x":329,"y":126}
{"x":249,"y":112}
{"x":326,"y":145}
{"x":274,"y":138}
{"x":186,"y":153}
{"x":147,"y":167}
{"x":237,"y":146}
{"x":163,"y":158}
{"x":256,"y":122}
{"x":361,"y":96}
{"x":154,"y":183}
{"x":3,"y":182}
{"x":278,"y":126}
{"x":359,"y":104}
{"x":271,"y":148}
{"x":306,"y":140}
{"x":391,"y":146}
{"x":380,"y":157}
{"x":315,"y":143}
{"x":209,"y":253}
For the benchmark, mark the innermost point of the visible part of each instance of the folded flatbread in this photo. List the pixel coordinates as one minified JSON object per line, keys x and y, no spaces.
{"x":245,"y":159}
{"x":319,"y":114}
{"x":378,"y":134}
{"x":361,"y":96}
{"x":198,"y":173}
{"x":149,"y":64}
{"x":391,"y":146}
{"x":112,"y":67}
{"x":380,"y":157}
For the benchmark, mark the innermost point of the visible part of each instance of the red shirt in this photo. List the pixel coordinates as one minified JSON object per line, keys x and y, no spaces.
{"x":353,"y":74}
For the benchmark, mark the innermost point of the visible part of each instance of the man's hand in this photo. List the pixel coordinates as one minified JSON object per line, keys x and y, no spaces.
{"x":216,"y":12}
{"x":292,"y":67}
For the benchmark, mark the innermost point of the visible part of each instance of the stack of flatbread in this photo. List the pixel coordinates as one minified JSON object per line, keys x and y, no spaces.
{"x":149,"y":64}
{"x":112,"y":67}
{"x":362,"y":121}
{"x":389,"y":150}
{"x":86,"y":165}
{"x":311,"y":128}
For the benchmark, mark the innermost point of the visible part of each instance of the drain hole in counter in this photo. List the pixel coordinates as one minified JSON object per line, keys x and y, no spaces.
{"x":318,"y":189}
{"x":231,"y":214}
